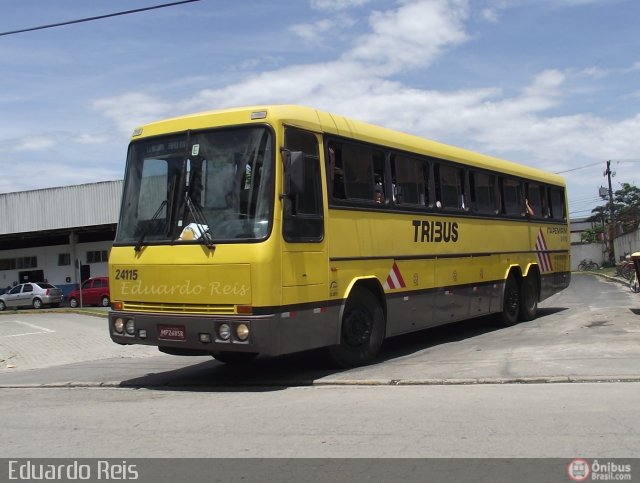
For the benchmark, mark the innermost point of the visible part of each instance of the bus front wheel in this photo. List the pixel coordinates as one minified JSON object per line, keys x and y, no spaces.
{"x":511,"y":302}
{"x":362,"y":330}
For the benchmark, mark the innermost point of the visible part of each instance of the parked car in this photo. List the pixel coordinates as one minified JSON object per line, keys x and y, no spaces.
{"x":95,"y":291}
{"x":33,"y":294}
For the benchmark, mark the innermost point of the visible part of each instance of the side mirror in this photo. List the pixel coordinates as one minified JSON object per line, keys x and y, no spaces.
{"x":293,"y":172}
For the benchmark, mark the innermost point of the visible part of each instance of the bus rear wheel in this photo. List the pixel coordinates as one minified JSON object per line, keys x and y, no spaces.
{"x":511,"y":302}
{"x":529,"y":298}
{"x":362,"y":331}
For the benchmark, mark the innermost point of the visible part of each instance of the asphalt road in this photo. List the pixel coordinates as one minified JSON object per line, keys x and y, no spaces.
{"x":469,"y":390}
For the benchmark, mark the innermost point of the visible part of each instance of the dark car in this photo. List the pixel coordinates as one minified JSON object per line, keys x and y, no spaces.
{"x":32,"y":294}
{"x":95,"y":291}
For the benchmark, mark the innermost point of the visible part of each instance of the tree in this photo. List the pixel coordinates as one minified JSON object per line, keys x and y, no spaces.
{"x":592,"y":235}
{"x":626,"y":208}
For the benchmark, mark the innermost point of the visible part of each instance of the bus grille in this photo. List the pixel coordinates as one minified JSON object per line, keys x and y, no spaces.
{"x":179,"y":308}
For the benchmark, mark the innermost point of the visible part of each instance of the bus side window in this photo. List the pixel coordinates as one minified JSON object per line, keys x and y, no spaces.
{"x":556,"y":203}
{"x":534,"y":199}
{"x":411,"y":178}
{"x":511,"y":192}
{"x":335,"y":174}
{"x":483,"y":192}
{"x":449,"y":182}
{"x":363,"y":170}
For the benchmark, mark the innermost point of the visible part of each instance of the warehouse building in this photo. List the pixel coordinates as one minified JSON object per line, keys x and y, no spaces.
{"x":59,"y":235}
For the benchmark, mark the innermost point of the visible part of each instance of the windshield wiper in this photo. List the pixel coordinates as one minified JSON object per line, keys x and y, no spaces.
{"x":200,"y":221}
{"x":138,"y":246}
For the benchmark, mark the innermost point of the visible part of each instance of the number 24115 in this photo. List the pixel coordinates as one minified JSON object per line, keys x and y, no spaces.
{"x":131,"y":274}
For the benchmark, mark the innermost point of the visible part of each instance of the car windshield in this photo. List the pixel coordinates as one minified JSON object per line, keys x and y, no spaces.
{"x":203,"y":187}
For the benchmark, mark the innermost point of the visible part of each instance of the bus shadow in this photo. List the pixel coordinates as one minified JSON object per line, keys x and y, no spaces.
{"x":262,"y":374}
{"x":304,"y":368}
{"x":408,"y":344}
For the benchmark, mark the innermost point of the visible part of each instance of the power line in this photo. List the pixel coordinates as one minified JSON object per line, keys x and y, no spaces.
{"x":617,"y":161}
{"x":90,"y":19}
{"x":581,"y":167}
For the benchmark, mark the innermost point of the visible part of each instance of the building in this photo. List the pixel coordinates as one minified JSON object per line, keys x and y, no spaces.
{"x":59,"y":235}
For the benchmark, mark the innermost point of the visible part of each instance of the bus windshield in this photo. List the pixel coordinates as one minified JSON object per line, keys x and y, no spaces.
{"x":198,"y":187}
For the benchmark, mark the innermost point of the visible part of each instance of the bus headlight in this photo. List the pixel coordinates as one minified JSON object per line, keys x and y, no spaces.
{"x":118,"y":325}
{"x":242,"y":332}
{"x":130,"y":327}
{"x":224,"y":331}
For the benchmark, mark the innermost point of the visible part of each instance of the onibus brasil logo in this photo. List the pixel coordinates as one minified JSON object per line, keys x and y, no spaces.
{"x":579,"y":470}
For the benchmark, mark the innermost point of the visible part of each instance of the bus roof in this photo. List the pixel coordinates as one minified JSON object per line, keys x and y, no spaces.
{"x":324,"y":122}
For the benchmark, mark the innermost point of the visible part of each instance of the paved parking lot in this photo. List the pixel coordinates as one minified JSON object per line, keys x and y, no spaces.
{"x":39,"y":339}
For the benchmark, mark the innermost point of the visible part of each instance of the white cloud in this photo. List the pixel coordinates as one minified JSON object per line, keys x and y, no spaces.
{"x":59,"y":173}
{"x":86,"y":138}
{"x":361,"y":84}
{"x":132,"y":109}
{"x":594,"y":73}
{"x":490,"y":15}
{"x":33,"y":143}
{"x":411,"y":36}
{"x":337,"y":4}
{"x":323,"y":30}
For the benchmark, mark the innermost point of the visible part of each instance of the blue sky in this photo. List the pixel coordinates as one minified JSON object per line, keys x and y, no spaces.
{"x":553,"y":84}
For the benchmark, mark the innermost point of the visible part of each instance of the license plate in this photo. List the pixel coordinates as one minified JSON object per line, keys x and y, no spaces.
{"x":172,"y":332}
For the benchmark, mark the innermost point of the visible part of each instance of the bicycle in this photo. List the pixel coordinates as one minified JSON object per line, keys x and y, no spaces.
{"x":585,"y":265}
{"x":625,"y":269}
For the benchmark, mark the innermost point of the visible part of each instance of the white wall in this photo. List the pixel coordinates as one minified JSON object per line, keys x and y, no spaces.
{"x":591,"y":251}
{"x":48,"y":262}
{"x":628,"y":243}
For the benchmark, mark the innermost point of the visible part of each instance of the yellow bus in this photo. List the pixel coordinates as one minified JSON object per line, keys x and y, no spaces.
{"x":277,"y":229}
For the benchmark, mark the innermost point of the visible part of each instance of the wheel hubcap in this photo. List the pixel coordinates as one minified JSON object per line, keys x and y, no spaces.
{"x":512,"y":301}
{"x":357,"y":328}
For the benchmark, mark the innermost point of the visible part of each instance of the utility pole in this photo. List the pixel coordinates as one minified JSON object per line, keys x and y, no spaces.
{"x":612,"y":256}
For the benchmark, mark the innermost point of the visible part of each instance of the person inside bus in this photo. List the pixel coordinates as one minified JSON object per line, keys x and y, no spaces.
{"x":527,"y":207}
{"x":336,"y":183}
{"x":378,"y":196}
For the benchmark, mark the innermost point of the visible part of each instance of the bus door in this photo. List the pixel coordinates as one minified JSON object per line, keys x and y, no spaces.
{"x":304,"y":257}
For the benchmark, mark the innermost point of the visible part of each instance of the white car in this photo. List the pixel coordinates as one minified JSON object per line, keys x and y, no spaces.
{"x":33,"y":294}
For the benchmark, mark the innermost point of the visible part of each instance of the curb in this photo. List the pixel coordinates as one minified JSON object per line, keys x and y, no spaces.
{"x":58,"y":310}
{"x":341,"y":382}
{"x":611,"y":278}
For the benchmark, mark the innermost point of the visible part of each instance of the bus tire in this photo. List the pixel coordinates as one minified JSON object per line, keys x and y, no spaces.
{"x":529,"y":298}
{"x":362,"y":330}
{"x":511,"y":302}
{"x":235,"y":358}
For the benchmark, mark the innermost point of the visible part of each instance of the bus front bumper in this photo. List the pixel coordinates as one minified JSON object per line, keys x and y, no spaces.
{"x":272,"y":334}
{"x":190,"y":334}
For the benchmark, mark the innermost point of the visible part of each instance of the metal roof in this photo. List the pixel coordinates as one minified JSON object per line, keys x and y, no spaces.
{"x":59,"y":208}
